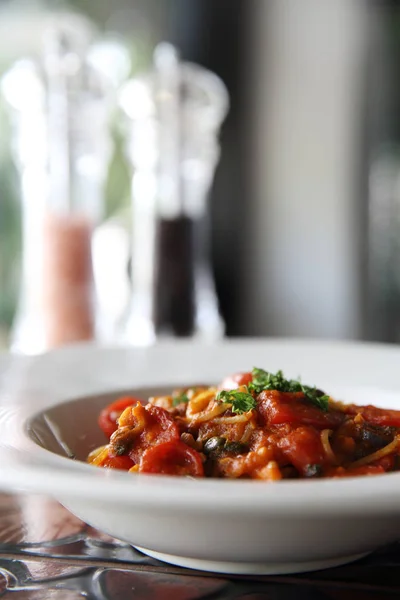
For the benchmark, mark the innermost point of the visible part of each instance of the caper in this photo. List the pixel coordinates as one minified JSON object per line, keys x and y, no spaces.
{"x":217,"y":446}
{"x":213,"y":444}
{"x":313,"y":470}
{"x":235,"y":447}
{"x":374,"y":436}
{"x":121,"y":440}
{"x":119,"y":449}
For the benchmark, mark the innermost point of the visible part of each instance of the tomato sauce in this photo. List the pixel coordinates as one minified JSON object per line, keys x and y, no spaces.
{"x":255,"y":425}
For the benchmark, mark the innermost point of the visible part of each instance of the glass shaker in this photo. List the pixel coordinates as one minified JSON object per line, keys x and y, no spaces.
{"x":62,"y":147}
{"x":174,"y":115}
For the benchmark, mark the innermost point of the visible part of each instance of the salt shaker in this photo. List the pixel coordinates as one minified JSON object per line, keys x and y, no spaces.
{"x":62,"y":146}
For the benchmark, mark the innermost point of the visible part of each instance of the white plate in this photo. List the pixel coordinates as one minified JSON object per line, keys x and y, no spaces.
{"x":217,"y":525}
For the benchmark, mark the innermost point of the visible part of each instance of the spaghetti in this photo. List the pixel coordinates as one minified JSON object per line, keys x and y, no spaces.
{"x":255,"y":425}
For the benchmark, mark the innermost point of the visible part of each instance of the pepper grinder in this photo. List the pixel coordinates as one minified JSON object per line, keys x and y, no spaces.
{"x":174,"y":114}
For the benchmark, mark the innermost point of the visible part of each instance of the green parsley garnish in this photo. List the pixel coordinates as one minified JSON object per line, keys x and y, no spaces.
{"x":179,"y":399}
{"x":262,"y":380}
{"x":241,"y":401}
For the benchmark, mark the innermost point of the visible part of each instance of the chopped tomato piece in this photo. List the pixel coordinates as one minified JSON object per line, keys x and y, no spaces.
{"x":364,"y":470}
{"x":161,"y":415}
{"x":109,"y":415}
{"x":277,"y":408}
{"x":386,"y":462}
{"x":374,"y":415}
{"x":234,"y":381}
{"x":160,"y":428}
{"x":118,"y":462}
{"x":172,"y":458}
{"x":302,"y":447}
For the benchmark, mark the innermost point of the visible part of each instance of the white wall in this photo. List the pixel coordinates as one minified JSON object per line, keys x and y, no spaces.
{"x":306,"y":83}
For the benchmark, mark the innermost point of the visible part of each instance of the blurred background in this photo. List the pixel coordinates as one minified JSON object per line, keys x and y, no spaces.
{"x":243,"y":180}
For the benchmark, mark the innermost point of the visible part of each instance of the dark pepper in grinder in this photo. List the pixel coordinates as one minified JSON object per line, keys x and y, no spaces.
{"x":174,"y":299}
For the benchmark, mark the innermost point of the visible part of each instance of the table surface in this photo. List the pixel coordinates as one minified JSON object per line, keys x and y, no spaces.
{"x":45,"y":552}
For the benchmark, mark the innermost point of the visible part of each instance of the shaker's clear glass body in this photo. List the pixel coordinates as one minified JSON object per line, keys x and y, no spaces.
{"x":170,"y":184}
{"x":62,"y":147}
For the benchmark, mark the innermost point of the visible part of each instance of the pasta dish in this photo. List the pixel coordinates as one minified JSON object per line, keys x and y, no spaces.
{"x":255,"y":425}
